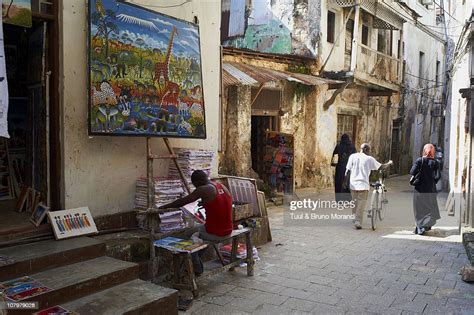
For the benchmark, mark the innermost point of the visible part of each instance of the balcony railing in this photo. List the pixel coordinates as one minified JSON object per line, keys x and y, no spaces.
{"x":378,"y":65}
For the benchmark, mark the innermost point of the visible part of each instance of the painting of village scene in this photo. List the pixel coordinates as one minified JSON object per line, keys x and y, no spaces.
{"x":145,"y":73}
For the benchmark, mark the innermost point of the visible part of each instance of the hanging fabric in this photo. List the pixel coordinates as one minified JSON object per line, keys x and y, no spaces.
{"x":3,"y":88}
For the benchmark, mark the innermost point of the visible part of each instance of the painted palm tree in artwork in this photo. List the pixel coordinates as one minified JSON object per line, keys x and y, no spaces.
{"x":105,"y":26}
{"x":140,"y":42}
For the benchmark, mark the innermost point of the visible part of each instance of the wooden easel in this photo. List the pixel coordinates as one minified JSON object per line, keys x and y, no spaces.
{"x":149,"y":170}
{"x":151,"y":210}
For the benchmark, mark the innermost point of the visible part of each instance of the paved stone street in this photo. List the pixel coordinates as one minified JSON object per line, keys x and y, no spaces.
{"x":339,"y":270}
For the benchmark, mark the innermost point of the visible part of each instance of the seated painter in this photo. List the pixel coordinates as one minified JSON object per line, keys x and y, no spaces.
{"x":217,"y":202}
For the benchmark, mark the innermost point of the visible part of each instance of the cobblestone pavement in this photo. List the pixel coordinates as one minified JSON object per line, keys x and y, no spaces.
{"x":340,"y":270}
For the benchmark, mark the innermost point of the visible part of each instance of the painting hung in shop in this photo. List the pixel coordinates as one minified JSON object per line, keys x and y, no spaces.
{"x":17,"y":12}
{"x":271,"y":26}
{"x":279,"y":152}
{"x":145,"y":73}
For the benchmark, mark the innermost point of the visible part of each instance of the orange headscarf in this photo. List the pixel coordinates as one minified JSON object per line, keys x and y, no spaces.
{"x":429,"y":151}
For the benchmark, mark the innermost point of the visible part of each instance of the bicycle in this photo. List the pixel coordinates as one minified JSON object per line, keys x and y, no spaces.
{"x":378,"y":204}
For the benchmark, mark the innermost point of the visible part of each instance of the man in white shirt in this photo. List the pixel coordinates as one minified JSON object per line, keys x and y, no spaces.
{"x":358,"y":170}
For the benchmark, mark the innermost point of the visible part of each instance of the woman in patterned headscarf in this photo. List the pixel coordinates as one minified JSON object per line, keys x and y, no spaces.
{"x":425,"y":204}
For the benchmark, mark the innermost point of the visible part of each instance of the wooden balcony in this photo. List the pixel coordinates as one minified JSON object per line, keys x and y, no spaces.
{"x":377,"y":69}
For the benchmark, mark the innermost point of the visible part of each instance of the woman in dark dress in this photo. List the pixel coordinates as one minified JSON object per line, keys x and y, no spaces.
{"x":343,"y":150}
{"x":425,"y":205}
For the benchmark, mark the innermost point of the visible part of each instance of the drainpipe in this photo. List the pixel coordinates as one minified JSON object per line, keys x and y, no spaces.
{"x":470,"y":99}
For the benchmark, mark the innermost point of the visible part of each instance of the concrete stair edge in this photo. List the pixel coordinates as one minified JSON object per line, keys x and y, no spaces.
{"x":133,"y":297}
{"x":76,"y":280}
{"x":45,"y":255}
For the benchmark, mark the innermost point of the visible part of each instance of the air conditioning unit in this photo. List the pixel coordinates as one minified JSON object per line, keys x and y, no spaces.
{"x":426,"y":2}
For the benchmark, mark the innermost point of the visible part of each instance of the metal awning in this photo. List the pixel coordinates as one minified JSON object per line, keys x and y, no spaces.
{"x":234,"y":73}
{"x":385,"y":17}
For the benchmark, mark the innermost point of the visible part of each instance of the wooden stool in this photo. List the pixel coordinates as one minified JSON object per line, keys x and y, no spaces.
{"x":183,"y":270}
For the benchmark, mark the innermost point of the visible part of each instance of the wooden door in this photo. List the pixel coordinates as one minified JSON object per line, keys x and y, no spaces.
{"x":346,"y":124}
{"x":395,"y":149}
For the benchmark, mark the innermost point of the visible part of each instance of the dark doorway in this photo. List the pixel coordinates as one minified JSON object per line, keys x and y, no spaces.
{"x":260,"y":125}
{"x":395,"y":149}
{"x":32,"y":63}
{"x":347,"y":124}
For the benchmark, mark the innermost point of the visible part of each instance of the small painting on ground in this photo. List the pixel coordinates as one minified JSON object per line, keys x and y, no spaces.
{"x":145,"y":73}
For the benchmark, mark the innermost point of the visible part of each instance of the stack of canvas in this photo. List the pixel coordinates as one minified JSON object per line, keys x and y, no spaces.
{"x":190,"y":160}
{"x":171,"y":221}
{"x":166,"y":190}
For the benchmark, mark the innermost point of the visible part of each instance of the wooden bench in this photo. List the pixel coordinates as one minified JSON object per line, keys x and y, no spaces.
{"x":183,"y":271}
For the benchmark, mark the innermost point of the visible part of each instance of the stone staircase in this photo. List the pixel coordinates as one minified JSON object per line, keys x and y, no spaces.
{"x":86,"y":281}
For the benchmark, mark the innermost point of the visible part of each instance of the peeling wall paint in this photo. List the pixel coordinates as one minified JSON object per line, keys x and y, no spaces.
{"x":273,"y":26}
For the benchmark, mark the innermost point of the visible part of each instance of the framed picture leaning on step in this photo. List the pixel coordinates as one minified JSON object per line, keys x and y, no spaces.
{"x":72,"y":222}
{"x":39,"y":214}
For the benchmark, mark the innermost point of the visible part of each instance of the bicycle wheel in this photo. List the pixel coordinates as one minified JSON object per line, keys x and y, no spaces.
{"x":374,"y":207}
{"x":383,"y":205}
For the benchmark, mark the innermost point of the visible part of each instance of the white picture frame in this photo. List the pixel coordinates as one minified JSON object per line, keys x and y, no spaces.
{"x":39,"y":214}
{"x":72,"y":222}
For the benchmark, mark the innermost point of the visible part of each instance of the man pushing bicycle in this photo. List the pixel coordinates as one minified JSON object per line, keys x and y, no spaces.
{"x":358,"y":171}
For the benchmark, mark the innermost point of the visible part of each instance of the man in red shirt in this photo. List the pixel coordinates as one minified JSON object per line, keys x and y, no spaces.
{"x":217,"y":202}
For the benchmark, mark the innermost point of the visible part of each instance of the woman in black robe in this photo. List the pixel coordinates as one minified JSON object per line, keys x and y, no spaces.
{"x":343,"y":150}
{"x":425,"y":204}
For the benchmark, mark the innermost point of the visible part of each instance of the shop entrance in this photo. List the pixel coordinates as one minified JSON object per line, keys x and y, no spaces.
{"x":29,"y":164}
{"x":260,"y":126}
{"x":265,"y":117}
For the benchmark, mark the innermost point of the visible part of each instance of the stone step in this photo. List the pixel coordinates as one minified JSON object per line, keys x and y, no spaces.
{"x":134,"y":297}
{"x":131,"y":246}
{"x":44,"y":255}
{"x":77,"y":280}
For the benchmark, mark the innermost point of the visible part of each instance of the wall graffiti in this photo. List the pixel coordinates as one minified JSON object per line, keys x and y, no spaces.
{"x":271,"y":26}
{"x":145,"y":73}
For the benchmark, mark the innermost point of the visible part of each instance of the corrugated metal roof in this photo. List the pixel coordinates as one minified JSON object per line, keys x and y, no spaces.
{"x":234,"y":73}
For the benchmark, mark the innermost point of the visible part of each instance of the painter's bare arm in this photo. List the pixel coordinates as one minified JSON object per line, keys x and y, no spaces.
{"x":195,"y":195}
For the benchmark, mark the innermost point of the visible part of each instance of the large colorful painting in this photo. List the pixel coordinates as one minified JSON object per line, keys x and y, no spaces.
{"x":145,"y":73}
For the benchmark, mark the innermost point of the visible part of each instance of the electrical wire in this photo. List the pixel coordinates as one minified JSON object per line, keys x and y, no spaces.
{"x":442,"y":27}
{"x":417,"y":23}
{"x":415,"y":76}
{"x":447,"y":12}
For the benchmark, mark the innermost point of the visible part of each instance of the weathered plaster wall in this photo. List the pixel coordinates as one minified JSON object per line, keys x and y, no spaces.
{"x":456,"y":138}
{"x":237,"y":159}
{"x":420,"y":95}
{"x":100,"y":172}
{"x":299,"y":119}
{"x":276,"y":26}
